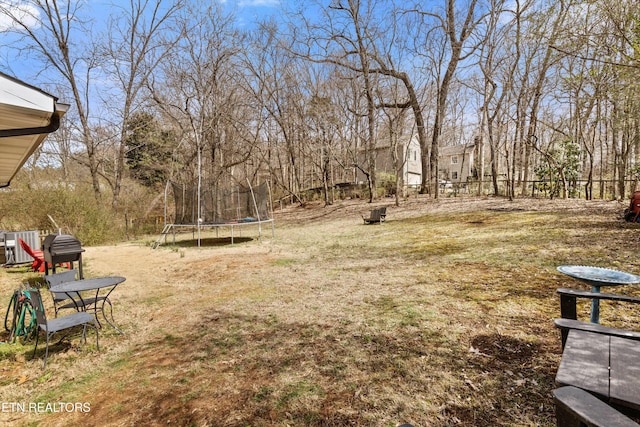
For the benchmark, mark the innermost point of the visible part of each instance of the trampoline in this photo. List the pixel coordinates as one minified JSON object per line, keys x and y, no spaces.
{"x":200,"y":206}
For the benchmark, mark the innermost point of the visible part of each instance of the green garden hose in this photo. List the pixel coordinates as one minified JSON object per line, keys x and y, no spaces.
{"x":19,"y":307}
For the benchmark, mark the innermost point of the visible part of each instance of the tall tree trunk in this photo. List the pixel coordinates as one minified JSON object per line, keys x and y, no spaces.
{"x":456,"y":43}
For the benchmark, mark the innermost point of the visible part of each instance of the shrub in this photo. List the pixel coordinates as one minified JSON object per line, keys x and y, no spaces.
{"x":386,"y":183}
{"x":73,"y":208}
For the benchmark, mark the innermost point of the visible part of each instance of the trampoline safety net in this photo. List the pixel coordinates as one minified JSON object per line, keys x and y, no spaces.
{"x":217,"y":206}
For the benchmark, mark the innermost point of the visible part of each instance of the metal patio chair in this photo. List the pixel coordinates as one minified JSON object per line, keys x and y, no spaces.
{"x":50,"y":327}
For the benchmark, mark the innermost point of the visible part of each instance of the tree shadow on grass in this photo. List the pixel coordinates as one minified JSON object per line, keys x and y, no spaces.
{"x":257,"y":370}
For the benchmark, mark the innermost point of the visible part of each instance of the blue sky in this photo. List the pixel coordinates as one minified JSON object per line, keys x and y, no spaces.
{"x":247,"y":11}
{"x":251,"y":3}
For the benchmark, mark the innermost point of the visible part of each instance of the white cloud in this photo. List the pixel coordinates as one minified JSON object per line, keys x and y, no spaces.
{"x":15,"y":10}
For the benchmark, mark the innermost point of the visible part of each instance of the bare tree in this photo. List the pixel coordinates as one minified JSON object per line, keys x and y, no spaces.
{"x":399,"y":142}
{"x":55,"y":34}
{"x":323,"y":125}
{"x":200,"y":89}
{"x":274,"y":80}
{"x":459,"y":26}
{"x":551,"y":31}
{"x":584,"y":85}
{"x":388,"y":43}
{"x":497,"y":65}
{"x":343,"y":38}
{"x":138,"y":40}
{"x":621,"y":51}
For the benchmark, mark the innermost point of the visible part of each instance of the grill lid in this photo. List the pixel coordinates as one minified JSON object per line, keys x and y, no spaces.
{"x":58,"y":244}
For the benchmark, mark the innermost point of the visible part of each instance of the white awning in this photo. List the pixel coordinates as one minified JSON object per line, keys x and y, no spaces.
{"x":27,"y":116}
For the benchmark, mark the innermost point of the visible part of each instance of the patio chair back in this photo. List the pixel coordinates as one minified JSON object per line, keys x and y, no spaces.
{"x":25,"y":247}
{"x":37,"y":255}
{"x":36,"y":303}
{"x":58,"y":324}
{"x":53,"y":280}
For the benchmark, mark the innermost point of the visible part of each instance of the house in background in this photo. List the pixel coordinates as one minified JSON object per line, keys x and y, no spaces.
{"x":455,"y":162}
{"x":408,"y":155}
{"x":412,"y":171}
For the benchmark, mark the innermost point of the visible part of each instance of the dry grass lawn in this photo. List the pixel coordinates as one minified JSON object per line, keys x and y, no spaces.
{"x":441,"y":316}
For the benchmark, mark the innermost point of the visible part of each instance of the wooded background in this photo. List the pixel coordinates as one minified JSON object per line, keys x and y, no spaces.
{"x":547,"y":89}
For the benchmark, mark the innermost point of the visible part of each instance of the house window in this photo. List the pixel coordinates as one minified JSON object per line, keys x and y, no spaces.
{"x":415,"y":155}
{"x":454,"y":160}
{"x":454,"y":176}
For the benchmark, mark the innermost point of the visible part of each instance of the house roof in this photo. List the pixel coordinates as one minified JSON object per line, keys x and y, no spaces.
{"x":453,"y":150}
{"x":27,"y":116}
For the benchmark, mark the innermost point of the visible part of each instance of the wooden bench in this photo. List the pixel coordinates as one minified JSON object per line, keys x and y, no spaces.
{"x":376,"y":216}
{"x":577,"y":408}
{"x":383,"y":214}
{"x":569,"y":316}
{"x":597,"y":358}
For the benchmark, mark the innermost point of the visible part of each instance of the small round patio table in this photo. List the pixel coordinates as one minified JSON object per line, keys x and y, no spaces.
{"x":75,"y":287}
{"x":598,"y":277}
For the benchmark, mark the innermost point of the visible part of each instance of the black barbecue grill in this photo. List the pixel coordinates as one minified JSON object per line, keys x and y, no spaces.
{"x":59,"y":248}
